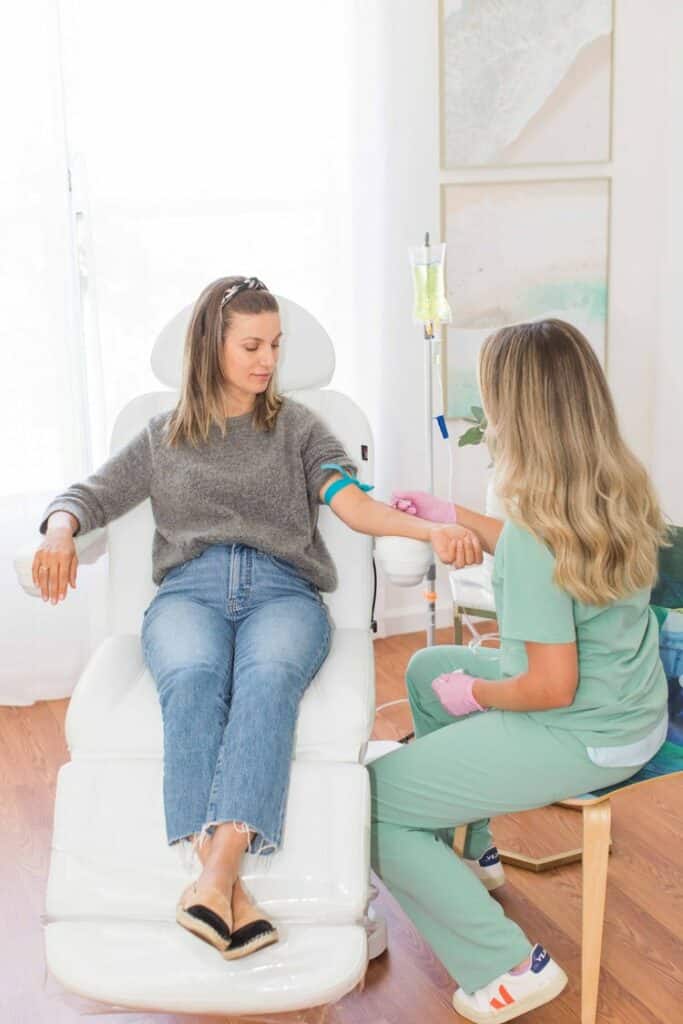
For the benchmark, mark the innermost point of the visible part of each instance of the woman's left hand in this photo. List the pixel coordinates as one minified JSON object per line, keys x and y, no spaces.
{"x":454,"y":690}
{"x":456,"y":546}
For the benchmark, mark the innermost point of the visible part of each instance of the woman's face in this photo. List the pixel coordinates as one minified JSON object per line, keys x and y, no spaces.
{"x":250,"y":352}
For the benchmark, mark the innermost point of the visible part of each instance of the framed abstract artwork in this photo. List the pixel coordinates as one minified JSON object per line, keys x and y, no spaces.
{"x":519,"y":251}
{"x":525,"y":82}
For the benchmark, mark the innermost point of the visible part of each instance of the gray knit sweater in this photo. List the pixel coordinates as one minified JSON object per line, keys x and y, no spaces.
{"x":251,"y":487}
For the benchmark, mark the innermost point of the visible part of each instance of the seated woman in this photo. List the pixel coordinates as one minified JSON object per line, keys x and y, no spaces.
{"x":238,"y":628}
{"x":576,"y":697}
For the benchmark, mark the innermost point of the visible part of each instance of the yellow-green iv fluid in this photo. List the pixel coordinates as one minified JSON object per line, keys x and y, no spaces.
{"x":430,"y":303}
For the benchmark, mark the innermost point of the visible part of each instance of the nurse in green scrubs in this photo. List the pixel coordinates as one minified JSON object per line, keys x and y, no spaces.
{"x":575,"y":699}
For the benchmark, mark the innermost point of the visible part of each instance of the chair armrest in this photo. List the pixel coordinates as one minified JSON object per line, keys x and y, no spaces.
{"x":89,"y":547}
{"x":403,"y":560}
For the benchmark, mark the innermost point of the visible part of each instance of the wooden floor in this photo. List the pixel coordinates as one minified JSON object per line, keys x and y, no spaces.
{"x":642,"y":963}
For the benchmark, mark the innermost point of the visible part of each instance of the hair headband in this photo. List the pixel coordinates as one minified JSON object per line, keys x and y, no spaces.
{"x":249,"y":284}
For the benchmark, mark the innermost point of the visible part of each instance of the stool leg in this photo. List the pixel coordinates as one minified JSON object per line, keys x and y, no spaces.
{"x":596,"y":841}
{"x":459,"y":837}
{"x":457,"y":625}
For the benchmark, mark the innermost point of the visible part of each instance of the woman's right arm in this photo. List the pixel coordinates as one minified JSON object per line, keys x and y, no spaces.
{"x":116,"y":487}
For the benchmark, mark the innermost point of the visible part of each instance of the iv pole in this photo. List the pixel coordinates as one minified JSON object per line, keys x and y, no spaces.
{"x":431,"y":309}
{"x":430,"y":576}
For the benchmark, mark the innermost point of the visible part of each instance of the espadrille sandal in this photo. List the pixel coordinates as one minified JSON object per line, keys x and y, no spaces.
{"x":250,"y":935}
{"x":208,"y":923}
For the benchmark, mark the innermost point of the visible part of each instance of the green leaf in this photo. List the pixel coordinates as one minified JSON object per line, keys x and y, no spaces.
{"x":472,"y":436}
{"x":477,"y":412}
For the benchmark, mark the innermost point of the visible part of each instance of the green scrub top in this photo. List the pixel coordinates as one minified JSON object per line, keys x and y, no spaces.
{"x":622,"y":691}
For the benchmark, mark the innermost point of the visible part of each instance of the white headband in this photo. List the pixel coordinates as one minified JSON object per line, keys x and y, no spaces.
{"x":249,"y":284}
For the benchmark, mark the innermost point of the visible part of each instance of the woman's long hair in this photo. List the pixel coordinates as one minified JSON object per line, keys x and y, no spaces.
{"x":203,"y":383}
{"x":562,"y":468}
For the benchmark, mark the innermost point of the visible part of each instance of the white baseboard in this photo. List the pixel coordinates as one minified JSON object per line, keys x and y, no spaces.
{"x":412,"y":619}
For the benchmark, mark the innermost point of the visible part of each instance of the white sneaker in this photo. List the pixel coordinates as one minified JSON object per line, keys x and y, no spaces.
{"x":511,"y":995}
{"x":488,"y":868}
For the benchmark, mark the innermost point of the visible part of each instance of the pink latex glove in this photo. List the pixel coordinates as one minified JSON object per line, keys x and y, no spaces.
{"x":454,"y":690}
{"x":423,"y":505}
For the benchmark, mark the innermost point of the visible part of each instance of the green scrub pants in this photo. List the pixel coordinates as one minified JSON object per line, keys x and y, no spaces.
{"x":462,"y":771}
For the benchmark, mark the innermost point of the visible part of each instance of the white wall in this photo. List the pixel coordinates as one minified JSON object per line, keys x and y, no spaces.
{"x":396,"y":201}
{"x":646,"y":284}
{"x":666,"y":459}
{"x":645,"y":346}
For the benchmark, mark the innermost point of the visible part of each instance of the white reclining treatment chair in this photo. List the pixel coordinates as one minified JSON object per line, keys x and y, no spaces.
{"x":110,"y":930}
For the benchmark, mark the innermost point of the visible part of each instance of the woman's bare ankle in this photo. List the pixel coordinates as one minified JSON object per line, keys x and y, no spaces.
{"x":240,"y":896}
{"x":521,"y":967}
{"x":215,"y":878}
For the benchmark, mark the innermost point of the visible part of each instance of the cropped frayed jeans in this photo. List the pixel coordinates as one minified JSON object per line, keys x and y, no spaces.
{"x":232,"y":639}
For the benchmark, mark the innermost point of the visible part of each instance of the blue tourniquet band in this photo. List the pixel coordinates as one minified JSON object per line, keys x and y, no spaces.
{"x":338,"y":485}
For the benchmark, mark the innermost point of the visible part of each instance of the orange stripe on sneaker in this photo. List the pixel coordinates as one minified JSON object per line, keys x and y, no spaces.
{"x":505,"y":994}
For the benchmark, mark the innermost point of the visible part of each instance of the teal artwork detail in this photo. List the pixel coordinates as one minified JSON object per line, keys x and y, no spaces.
{"x":587,"y":298}
{"x":580,"y":301}
{"x":463,"y":393}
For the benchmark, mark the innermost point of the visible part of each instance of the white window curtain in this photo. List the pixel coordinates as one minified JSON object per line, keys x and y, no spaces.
{"x":41,"y":416}
{"x":204,"y":140}
{"x":218,"y":138}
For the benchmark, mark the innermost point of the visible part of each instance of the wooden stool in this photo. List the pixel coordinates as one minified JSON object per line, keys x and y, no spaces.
{"x":594,"y":855}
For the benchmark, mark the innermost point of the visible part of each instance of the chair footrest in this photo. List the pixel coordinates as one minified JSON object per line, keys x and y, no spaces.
{"x":159,"y":966}
{"x":110,"y":858}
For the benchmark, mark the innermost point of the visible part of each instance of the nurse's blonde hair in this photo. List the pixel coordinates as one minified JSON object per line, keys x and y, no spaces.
{"x":562,"y":469}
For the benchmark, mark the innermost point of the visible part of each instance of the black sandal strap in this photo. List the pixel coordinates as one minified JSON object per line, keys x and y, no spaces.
{"x":248,"y":932}
{"x":211,"y":918}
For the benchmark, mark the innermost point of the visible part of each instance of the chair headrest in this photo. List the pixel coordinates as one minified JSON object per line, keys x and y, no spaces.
{"x":306,"y":359}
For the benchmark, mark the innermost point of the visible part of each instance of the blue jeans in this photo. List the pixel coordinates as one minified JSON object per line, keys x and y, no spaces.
{"x":232,"y":639}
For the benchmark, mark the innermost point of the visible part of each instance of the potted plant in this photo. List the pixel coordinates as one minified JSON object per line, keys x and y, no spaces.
{"x":475,"y":434}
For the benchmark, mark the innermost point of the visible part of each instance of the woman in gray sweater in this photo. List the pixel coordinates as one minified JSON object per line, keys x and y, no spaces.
{"x":237,"y":629}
